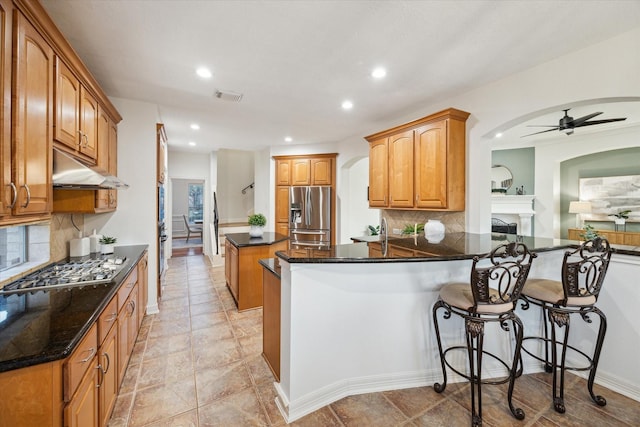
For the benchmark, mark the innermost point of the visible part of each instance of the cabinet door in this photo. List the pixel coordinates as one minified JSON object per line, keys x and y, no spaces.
{"x":227,"y":262}
{"x":282,"y":228}
{"x":234,"y":283}
{"x":67,"y":115}
{"x":300,"y":172}
{"x":143,"y":285}
{"x":631,"y":239}
{"x":431,"y":165}
{"x":7,"y":193}
{"x":282,"y":205}
{"x":321,"y":171}
{"x":113,"y":162}
{"x":102,"y":196}
{"x":33,"y":117}
{"x":283,"y":172}
{"x":83,"y":410}
{"x":378,"y":173}
{"x":108,"y":363}
{"x":123,"y":339}
{"x":88,"y":125}
{"x":132,"y":319}
{"x":161,"y":140}
{"x":401,"y":170}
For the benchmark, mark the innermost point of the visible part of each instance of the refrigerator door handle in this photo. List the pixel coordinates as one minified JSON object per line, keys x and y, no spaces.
{"x":307,"y":218}
{"x":308,"y":244}
{"x":308,"y":232}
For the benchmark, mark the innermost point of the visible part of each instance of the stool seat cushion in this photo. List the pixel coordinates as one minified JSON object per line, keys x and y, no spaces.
{"x":551,"y":291}
{"x":459,"y":295}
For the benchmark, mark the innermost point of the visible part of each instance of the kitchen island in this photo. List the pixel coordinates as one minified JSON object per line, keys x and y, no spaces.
{"x":243,"y":274}
{"x":354,"y":320}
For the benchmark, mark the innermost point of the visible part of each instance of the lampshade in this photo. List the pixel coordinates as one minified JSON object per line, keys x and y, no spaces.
{"x":579,"y":207}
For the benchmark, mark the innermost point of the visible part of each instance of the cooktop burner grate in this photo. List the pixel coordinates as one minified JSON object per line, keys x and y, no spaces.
{"x":68,"y":274}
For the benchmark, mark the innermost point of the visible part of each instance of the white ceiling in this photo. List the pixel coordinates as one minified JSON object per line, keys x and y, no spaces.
{"x":296,"y":61}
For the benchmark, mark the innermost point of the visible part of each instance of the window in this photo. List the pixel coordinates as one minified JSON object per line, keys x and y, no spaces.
{"x":13,"y":247}
{"x":195,"y":202}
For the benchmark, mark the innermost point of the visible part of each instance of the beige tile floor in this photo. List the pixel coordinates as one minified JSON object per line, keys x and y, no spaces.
{"x":198,"y":363}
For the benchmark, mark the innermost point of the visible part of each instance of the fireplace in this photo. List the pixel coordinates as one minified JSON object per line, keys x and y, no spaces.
{"x":514,"y":209}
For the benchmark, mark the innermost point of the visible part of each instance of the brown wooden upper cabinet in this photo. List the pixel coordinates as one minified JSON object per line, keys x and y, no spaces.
{"x":162,"y":152}
{"x":298,"y":170}
{"x":76,"y":116}
{"x":32,"y":118}
{"x":420,"y":165}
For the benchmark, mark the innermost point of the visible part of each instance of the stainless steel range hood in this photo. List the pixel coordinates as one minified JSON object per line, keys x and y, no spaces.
{"x":70,"y":174}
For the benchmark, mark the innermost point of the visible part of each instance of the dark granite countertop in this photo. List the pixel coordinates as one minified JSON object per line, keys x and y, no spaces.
{"x":44,"y":326}
{"x":240,"y":240}
{"x":271,"y":264}
{"x":454,"y":246}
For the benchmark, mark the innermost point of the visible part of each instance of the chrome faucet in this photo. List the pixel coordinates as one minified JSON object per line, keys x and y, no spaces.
{"x":383,"y":236}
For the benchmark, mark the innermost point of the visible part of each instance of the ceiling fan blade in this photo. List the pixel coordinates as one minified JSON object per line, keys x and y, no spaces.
{"x":578,"y":122}
{"x":542,"y":131}
{"x":599,"y":122}
{"x":542,"y":126}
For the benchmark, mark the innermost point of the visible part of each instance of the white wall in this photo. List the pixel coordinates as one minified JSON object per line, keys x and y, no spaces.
{"x":235,"y":172}
{"x":135,"y":220}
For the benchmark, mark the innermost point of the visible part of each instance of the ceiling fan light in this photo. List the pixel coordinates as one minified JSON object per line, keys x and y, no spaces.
{"x":568,"y":131}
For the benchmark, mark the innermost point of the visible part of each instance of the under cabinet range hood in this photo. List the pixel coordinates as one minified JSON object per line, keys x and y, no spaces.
{"x":70,"y":174}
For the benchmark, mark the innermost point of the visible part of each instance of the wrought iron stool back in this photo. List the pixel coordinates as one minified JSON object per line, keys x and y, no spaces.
{"x":583,"y":273}
{"x":496,"y":282}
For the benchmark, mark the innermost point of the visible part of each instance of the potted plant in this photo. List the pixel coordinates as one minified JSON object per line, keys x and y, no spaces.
{"x":106,"y":244}
{"x":589,"y":233}
{"x":374,"y":231}
{"x":257,"y":223}
{"x":413,"y":229}
{"x":621,"y":216}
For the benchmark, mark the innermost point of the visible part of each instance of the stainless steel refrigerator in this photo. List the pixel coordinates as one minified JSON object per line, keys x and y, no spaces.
{"x":310,"y":217}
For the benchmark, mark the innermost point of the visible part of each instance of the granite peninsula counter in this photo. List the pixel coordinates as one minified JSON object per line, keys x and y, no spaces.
{"x":356,"y":321}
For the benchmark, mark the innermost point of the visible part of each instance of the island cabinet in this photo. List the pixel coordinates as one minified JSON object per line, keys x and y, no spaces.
{"x":271,"y":314}
{"x":421,"y":164}
{"x":242,"y":270}
{"x":300,"y":170}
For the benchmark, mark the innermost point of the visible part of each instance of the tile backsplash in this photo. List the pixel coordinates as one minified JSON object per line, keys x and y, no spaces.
{"x":397,"y":219}
{"x":62,"y":231}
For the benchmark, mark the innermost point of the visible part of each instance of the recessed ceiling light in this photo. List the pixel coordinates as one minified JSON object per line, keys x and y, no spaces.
{"x":195,"y":126}
{"x":499,"y":135}
{"x":288,"y":139}
{"x":204,"y":72}
{"x":347,"y":105}
{"x":191,"y":143}
{"x":378,"y":73}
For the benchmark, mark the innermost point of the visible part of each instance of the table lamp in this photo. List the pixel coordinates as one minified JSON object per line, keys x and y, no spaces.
{"x":579,"y":208}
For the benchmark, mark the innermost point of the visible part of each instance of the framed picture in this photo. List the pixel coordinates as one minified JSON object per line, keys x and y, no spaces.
{"x":610,"y":195}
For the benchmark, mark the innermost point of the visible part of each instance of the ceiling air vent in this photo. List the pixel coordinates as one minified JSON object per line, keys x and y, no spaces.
{"x":228,"y":95}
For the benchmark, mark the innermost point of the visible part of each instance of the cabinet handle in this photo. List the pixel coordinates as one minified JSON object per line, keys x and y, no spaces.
{"x":111,"y":318}
{"x":86,"y":140}
{"x":14,"y":191}
{"x":81,"y":135}
{"x":93,"y":353}
{"x":100,"y":371}
{"x":106,"y":355}
{"x":26,"y":187}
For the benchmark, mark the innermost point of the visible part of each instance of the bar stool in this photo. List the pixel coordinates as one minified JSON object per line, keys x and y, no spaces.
{"x":495,"y":285}
{"x":583,"y":272}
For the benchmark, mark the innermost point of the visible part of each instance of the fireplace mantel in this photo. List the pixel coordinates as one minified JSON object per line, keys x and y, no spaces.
{"x":518,"y":209}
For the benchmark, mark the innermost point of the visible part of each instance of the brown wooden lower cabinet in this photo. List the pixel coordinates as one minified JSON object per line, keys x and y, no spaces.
{"x":244,"y":274}
{"x":271,"y":321}
{"x":89,"y":379}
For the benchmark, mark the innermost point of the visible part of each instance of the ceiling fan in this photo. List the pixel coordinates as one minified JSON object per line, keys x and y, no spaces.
{"x":567,"y":124}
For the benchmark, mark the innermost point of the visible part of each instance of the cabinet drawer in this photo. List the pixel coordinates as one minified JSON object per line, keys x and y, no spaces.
{"x":127,"y":287}
{"x":78,"y":363}
{"x":107,"y":319}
